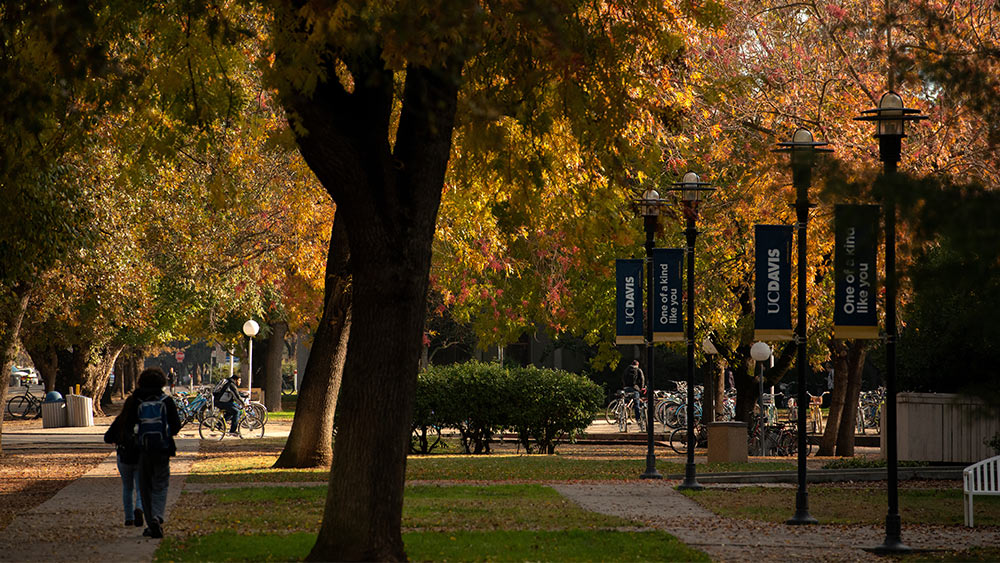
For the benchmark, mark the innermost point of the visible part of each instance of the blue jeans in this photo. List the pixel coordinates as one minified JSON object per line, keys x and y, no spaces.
{"x":154,"y":478}
{"x":636,"y":398}
{"x":231,"y":413}
{"x":130,"y":487}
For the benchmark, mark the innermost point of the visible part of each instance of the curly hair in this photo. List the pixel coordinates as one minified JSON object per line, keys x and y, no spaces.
{"x":152,"y":378}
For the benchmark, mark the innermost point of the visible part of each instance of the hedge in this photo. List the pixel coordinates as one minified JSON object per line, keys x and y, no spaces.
{"x":481,"y":400}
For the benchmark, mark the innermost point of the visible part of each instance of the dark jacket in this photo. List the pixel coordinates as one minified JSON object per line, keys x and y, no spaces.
{"x":123,"y":437}
{"x":633,"y":377}
{"x":129,"y":416}
{"x":227,"y":386}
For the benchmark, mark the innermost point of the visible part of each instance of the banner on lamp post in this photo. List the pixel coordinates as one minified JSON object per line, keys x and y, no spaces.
{"x":668,"y":323}
{"x":773,"y":282}
{"x":628,"y":302}
{"x":855,"y":271}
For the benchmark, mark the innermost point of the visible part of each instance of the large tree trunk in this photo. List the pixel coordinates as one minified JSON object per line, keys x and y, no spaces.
{"x":856,"y":352}
{"x":838,"y":357}
{"x":389,"y":198}
{"x":92,"y":366}
{"x":708,"y":394}
{"x":272,"y":365}
{"x":12,"y":308}
{"x":310,"y":442}
{"x":46,"y":361}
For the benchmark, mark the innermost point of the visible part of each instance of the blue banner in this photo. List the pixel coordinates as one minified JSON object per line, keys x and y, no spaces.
{"x":855,"y":271}
{"x":773,"y":282}
{"x":628,"y":309}
{"x":668,"y":317}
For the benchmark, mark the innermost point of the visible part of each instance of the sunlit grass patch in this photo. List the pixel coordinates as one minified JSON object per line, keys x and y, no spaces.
{"x":250,"y":469}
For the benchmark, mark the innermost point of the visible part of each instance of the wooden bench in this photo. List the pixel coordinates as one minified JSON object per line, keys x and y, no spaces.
{"x":982,"y":478}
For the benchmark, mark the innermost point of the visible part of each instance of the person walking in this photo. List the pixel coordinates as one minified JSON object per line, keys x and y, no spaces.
{"x":633,"y":381}
{"x":154,"y":416}
{"x":127,"y":455}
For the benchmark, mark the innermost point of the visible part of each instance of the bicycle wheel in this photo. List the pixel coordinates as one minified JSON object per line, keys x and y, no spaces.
{"x":679,"y":441}
{"x":260,"y":410}
{"x":251,"y":426}
{"x":213,"y":428}
{"x":611,"y":412}
{"x":19,"y":406}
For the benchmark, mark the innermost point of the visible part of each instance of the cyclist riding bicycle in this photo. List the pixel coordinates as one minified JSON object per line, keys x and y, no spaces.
{"x":632,"y":381}
{"x":226,"y":395}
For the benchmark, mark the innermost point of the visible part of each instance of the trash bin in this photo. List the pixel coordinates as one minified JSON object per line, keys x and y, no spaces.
{"x":53,"y":410}
{"x":79,"y":410}
{"x":727,"y":442}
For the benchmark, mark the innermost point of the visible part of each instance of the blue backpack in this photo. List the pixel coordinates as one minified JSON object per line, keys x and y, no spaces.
{"x":152,"y":433}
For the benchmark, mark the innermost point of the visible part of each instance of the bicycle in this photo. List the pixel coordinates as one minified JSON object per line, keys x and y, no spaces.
{"x":620,"y":411}
{"x":816,"y":411}
{"x":25,"y":406}
{"x":197,"y":407}
{"x":679,"y":439}
{"x":215,"y":426}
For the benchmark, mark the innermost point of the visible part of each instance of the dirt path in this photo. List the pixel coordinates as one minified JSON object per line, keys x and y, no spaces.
{"x":660,"y":506}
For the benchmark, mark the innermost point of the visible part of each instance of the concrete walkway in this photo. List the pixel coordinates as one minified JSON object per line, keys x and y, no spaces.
{"x":84,"y":521}
{"x":660,"y":506}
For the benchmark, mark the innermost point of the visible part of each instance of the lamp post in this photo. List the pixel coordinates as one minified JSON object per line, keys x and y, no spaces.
{"x":760,"y":352}
{"x":890,"y":116}
{"x":802,"y":149}
{"x":710,"y":351}
{"x":649,"y":207}
{"x":692,"y":189}
{"x":250,"y":328}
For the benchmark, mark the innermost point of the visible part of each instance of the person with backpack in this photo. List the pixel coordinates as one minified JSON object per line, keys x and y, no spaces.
{"x":153,"y":415}
{"x":226,"y":395}
{"x":127,"y":455}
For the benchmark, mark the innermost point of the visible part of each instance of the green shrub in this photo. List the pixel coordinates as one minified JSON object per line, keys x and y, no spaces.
{"x":552,"y":405}
{"x":482,"y":399}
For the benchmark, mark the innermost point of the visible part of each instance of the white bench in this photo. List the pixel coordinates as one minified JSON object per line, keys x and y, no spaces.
{"x":982,"y":478}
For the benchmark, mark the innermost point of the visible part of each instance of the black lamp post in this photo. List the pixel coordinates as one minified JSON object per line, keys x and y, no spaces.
{"x":890,"y":115}
{"x":649,"y":206}
{"x":802,"y":149}
{"x":692,"y":189}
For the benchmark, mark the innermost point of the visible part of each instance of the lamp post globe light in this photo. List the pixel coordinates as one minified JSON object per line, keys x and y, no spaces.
{"x":760,"y":352}
{"x":890,"y":117}
{"x":692,"y":191}
{"x":802,"y":149}
{"x":250,"y":328}
{"x":649,"y":208}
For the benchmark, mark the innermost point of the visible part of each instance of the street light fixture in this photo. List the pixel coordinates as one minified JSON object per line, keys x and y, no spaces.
{"x":760,"y":352}
{"x":692,"y":191}
{"x":890,"y":117}
{"x":250,"y":328}
{"x":649,"y":208}
{"x":802,"y":149}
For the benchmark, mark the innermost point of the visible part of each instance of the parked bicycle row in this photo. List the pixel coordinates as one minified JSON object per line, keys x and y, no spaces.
{"x":219,"y":411}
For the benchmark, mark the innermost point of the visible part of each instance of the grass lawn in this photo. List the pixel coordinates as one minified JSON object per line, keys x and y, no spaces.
{"x":257,"y":469}
{"x":833,"y":503}
{"x":440,"y":523}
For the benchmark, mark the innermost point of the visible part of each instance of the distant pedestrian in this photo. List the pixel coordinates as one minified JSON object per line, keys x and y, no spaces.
{"x":633,"y":381}
{"x":154,"y":416}
{"x":127,"y":455}
{"x":171,"y":378}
